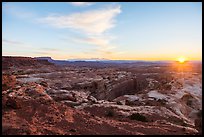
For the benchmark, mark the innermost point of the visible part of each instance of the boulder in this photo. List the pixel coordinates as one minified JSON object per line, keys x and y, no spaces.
{"x":44,"y":84}
{"x":92,"y":99}
{"x":8,"y":81}
{"x":60,"y":97}
{"x":70,"y":103}
{"x":13,"y":102}
{"x":198,"y":125}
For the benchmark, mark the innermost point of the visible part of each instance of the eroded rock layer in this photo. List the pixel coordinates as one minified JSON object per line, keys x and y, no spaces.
{"x":66,"y":100}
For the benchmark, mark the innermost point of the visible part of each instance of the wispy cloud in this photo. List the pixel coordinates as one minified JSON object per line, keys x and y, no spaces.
{"x":94,"y":24}
{"x":49,"y":49}
{"x":11,"y":42}
{"x":81,"y":3}
{"x":31,"y":50}
{"x":91,"y":22}
{"x":100,"y":41}
{"x":17,"y":44}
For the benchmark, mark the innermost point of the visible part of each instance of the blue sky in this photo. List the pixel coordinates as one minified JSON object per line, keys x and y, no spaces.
{"x":111,"y":30}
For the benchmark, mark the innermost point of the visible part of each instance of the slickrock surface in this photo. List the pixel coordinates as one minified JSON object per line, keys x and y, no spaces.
{"x":68,"y":100}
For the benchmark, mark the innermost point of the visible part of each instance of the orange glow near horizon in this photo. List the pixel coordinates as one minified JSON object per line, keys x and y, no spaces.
{"x":56,"y":56}
{"x":181,"y":59}
{"x":182,"y":64}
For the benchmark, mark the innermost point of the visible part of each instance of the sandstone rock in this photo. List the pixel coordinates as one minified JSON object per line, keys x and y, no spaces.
{"x":85,"y":100}
{"x":44,"y":84}
{"x":13,"y":103}
{"x":54,"y":92}
{"x":120,"y":102}
{"x":8,"y":81}
{"x":17,"y":87}
{"x":38,"y":114}
{"x":71,"y":103}
{"x":60,"y":97}
{"x":71,"y":98}
{"x":198,"y":125}
{"x":92,"y":99}
{"x":8,"y":62}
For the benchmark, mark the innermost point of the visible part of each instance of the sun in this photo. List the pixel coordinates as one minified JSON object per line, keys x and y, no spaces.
{"x":181,"y":59}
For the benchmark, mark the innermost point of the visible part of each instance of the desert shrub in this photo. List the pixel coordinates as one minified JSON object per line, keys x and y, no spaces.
{"x":73,"y":130}
{"x":138,"y":117}
{"x":110,"y":113}
{"x":129,"y":103}
{"x":148,"y":103}
{"x":8,"y":81}
{"x":13,"y":103}
{"x":199,"y":114}
{"x":162,"y":101}
{"x":20,"y":72}
{"x":95,"y":85}
{"x":178,"y":121}
{"x":189,"y":103}
{"x":119,"y":103}
{"x":167,"y":87}
{"x":43,"y":83}
{"x":4,"y":87}
{"x":184,"y":129}
{"x":183,"y":123}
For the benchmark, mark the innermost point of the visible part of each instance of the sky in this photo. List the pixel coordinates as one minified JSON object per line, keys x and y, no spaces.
{"x":104,"y":30}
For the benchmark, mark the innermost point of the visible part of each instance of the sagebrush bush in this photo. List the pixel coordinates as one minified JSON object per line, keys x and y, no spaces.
{"x":138,"y":117}
{"x":110,"y":113}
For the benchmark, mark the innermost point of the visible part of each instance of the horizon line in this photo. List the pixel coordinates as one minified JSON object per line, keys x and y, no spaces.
{"x":102,"y":59}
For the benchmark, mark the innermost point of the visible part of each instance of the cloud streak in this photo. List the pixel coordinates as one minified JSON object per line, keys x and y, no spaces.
{"x":11,"y":42}
{"x":92,"y":22}
{"x":100,"y":41}
{"x":80,"y":4}
{"x":17,"y":44}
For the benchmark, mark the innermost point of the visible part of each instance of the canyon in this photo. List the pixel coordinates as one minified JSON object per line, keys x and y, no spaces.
{"x":40,"y":96}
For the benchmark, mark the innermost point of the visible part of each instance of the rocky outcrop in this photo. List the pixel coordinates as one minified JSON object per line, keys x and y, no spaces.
{"x":8,"y":81}
{"x":198,"y":125}
{"x":52,"y":100}
{"x":198,"y":122}
{"x":13,"y":102}
{"x":43,"y":117}
{"x":122,"y":87}
{"x":9,"y":62}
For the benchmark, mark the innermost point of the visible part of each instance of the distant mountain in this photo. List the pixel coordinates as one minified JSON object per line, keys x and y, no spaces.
{"x":91,"y":59}
{"x":94,"y":61}
{"x":44,"y":58}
